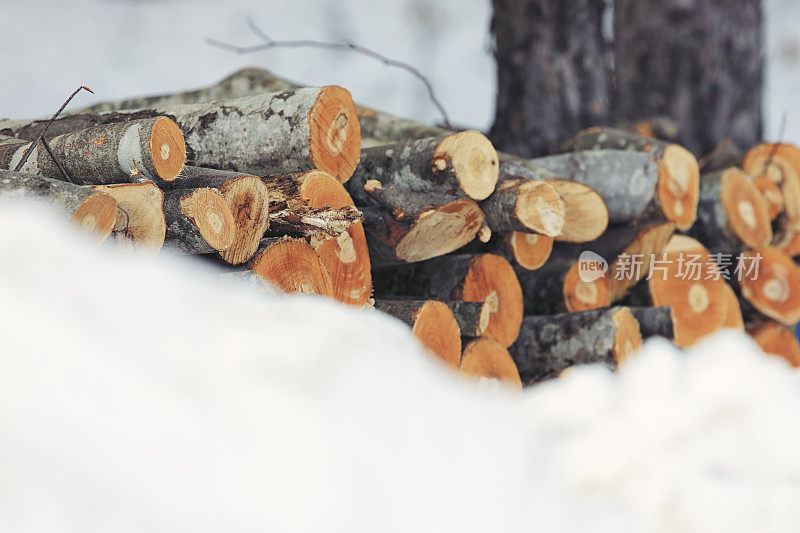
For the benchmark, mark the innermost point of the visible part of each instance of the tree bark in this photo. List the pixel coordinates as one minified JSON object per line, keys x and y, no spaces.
{"x":698,"y":62}
{"x":151,"y":148}
{"x":655,"y":321}
{"x":281,"y":132}
{"x":553,"y":72}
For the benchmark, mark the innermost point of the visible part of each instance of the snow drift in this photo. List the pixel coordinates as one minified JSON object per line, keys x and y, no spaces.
{"x":141,"y":395}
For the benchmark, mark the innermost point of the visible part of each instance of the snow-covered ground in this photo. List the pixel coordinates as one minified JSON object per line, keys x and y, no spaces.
{"x":122,"y":48}
{"x":140,"y":395}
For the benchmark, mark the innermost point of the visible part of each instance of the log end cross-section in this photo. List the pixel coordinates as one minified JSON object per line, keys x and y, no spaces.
{"x":488,"y":362}
{"x":167,"y":148}
{"x":335,"y":134}
{"x":292,"y":266}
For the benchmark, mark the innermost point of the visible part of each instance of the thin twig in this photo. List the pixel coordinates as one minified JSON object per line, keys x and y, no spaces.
{"x":775,"y":145}
{"x":55,"y":160}
{"x":35,"y":143}
{"x":269,"y":42}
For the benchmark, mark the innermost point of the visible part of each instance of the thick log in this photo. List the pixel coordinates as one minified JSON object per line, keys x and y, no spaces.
{"x":626,"y":181}
{"x":776,"y":339}
{"x":149,"y":148}
{"x":292,"y":266}
{"x":732,"y":214}
{"x":655,"y":321}
{"x":559,"y":287}
{"x":432,"y":324}
{"x":699,"y":62}
{"x":464,"y":164}
{"x":772,"y":286}
{"x":408,"y":227}
{"x":780,"y":163}
{"x":280,"y":132}
{"x":548,"y":345}
{"x":554,"y":72}
{"x":527,"y":250}
{"x":93,"y":212}
{"x":678,"y":182}
{"x":346,"y":255}
{"x":586,"y":215}
{"x":488,"y":365}
{"x":481,"y":278}
{"x":525,"y":205}
{"x":198,"y":221}
{"x":141,"y":223}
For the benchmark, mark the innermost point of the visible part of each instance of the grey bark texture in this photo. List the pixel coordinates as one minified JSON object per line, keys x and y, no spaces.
{"x":699,"y":62}
{"x":439,"y":278}
{"x":470,"y":316}
{"x":712,"y":227}
{"x":403,"y":310}
{"x":553,"y":72}
{"x":615,"y":139}
{"x":547,"y":345}
{"x":543,"y":289}
{"x":67,"y":197}
{"x":102,"y":154}
{"x":626,"y":181}
{"x":654,"y":321}
{"x":182,"y":233}
{"x":259,"y":134}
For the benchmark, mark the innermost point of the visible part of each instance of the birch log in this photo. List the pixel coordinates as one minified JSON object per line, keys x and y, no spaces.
{"x":151,"y":149}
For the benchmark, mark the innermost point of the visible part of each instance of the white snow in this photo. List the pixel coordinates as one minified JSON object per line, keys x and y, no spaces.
{"x":141,"y":395}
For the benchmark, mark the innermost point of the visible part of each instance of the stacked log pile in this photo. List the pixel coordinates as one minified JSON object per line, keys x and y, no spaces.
{"x":509,"y":270}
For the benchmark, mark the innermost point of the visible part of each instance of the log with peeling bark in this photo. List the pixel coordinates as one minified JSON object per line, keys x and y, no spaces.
{"x":772,"y":285}
{"x":463,"y":164}
{"x":94,"y":212}
{"x":780,"y":163}
{"x":149,"y":148}
{"x":407,"y":227}
{"x":686,"y":278}
{"x":248,"y":200}
{"x":198,"y":221}
{"x":564,"y":286}
{"x":548,"y":345}
{"x":626,"y":181}
{"x":432,"y":324}
{"x":485,"y":278}
{"x":655,"y":321}
{"x":777,"y":339}
{"x":487,"y":364}
{"x":346,"y":255}
{"x":140,"y":215}
{"x":678,"y":183}
{"x":525,"y":205}
{"x":732,"y":213}
{"x":280,"y":132}
{"x":292,"y":266}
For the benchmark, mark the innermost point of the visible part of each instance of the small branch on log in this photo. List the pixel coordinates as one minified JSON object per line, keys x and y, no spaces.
{"x":268,"y":43}
{"x":488,"y":364}
{"x":56,"y":161}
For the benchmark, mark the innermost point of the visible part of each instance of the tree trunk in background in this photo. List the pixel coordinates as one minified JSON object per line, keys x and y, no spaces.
{"x":697,"y":61}
{"x":554,"y":72}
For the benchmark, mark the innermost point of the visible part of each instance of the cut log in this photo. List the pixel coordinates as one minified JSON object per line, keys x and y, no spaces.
{"x":626,"y":181}
{"x":586,"y":213}
{"x":345,"y":256}
{"x":432,"y":324}
{"x":732,"y":214}
{"x":733,"y":311}
{"x":771,"y":193}
{"x":528,"y":250}
{"x":655,"y":321}
{"x":678,"y":182}
{"x":464,"y":164}
{"x":780,"y":163}
{"x":562,"y":286}
{"x":472,"y":317}
{"x":150,"y":148}
{"x":411,"y":227}
{"x":94,"y":212}
{"x":487,"y":363}
{"x":144,"y":226}
{"x":686,"y":279}
{"x":525,"y":205}
{"x":280,"y":132}
{"x":776,"y":339}
{"x":482,"y":278}
{"x":547,"y":345}
{"x":198,"y":221}
{"x":292,"y":266}
{"x":772,"y":285}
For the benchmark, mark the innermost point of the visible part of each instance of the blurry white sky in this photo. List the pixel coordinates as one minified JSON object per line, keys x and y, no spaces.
{"x":125,"y":47}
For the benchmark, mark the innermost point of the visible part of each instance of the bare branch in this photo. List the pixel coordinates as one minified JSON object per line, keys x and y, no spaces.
{"x":269,"y":42}
{"x":56,"y":161}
